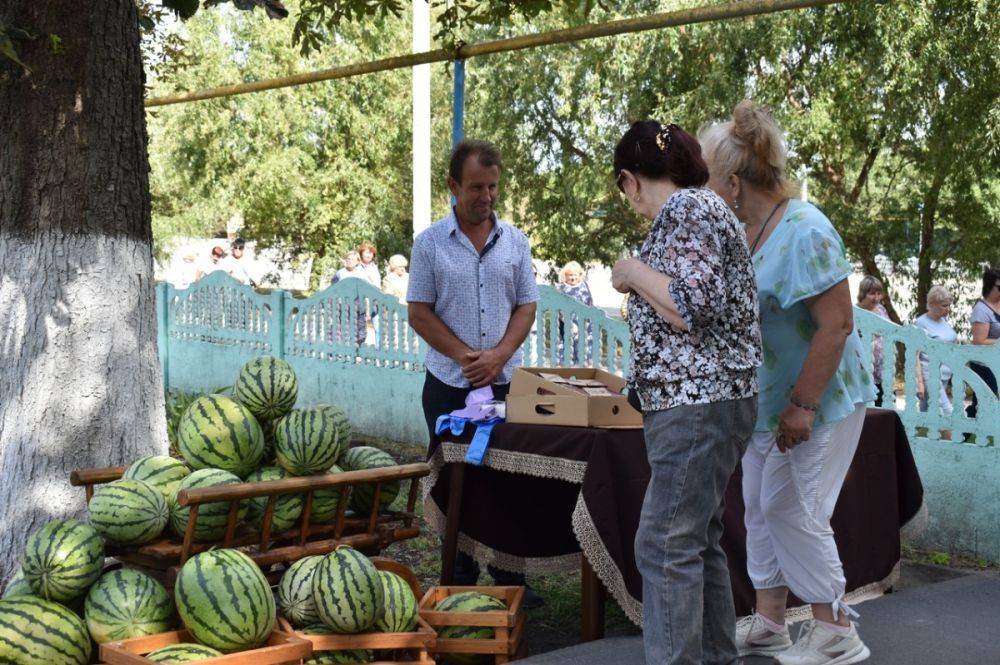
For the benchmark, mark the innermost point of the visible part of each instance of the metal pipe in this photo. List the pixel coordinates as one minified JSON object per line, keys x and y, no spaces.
{"x":458,"y":104}
{"x":739,"y":9}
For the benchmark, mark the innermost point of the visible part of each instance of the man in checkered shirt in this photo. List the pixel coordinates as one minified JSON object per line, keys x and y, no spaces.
{"x":472,"y":298}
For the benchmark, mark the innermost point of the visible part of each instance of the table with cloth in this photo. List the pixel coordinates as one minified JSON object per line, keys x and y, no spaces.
{"x":544,"y":493}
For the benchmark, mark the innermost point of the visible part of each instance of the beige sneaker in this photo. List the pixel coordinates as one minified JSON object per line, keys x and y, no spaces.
{"x":818,"y":645}
{"x":754,"y":638}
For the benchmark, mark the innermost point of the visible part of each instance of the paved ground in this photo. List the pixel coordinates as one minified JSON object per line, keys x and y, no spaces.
{"x":950,"y":622}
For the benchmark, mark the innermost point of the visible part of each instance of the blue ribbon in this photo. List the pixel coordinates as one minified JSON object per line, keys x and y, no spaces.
{"x":481,"y":441}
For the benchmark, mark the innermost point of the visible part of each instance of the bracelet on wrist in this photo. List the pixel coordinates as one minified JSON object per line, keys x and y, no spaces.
{"x":804,"y":405}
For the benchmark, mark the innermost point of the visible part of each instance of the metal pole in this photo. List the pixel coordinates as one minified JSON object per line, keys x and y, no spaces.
{"x":740,"y":9}
{"x":458,"y":104}
{"x":421,"y":119}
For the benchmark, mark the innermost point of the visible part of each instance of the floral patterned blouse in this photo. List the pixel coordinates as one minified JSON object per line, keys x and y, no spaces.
{"x":698,"y":242}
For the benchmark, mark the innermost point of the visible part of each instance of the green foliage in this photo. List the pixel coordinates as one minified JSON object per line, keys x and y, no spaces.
{"x":313,"y":169}
{"x":939,"y":558}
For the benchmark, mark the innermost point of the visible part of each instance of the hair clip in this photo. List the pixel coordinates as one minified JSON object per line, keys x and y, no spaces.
{"x":664,"y":137}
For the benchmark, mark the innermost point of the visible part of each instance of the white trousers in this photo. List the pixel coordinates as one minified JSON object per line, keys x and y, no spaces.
{"x":789,"y":500}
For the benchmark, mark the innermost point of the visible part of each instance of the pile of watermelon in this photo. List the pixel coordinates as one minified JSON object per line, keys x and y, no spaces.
{"x":61,"y":598}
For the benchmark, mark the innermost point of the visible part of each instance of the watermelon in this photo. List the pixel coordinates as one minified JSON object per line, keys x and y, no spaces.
{"x":468,"y":601}
{"x":182,"y":652}
{"x":18,"y":586}
{"x":62,"y":559}
{"x":295,"y":592}
{"x":126,"y":603}
{"x":347,"y":591}
{"x":128,"y":512}
{"x":362,"y":496}
{"x":217,"y":432}
{"x":309,"y":441}
{"x":34,"y":631}
{"x":324,"y":505}
{"x":224,"y":601}
{"x":267,"y":387}
{"x":399,"y":607}
{"x":161,"y":471}
{"x":212,"y":517}
{"x":287,"y":508}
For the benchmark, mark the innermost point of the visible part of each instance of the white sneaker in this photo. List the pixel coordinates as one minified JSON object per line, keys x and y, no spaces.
{"x":754,"y":638}
{"x":818,"y":645}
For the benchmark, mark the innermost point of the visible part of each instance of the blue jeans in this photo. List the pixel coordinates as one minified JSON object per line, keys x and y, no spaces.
{"x":687,"y":603}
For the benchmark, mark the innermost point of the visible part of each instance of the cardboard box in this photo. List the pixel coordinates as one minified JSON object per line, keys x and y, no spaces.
{"x":536,"y":400}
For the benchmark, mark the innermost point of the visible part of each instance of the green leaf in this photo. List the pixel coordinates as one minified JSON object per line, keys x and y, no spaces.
{"x":7,"y":49}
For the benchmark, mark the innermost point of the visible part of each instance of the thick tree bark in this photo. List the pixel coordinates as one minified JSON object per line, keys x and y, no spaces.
{"x":80,"y":381}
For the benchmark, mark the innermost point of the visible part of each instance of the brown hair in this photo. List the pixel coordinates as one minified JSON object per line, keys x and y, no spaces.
{"x":367,"y":247}
{"x":750,"y":145}
{"x":484,"y":151}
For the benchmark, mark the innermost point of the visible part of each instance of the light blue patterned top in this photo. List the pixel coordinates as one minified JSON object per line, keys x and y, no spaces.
{"x":803,"y":257}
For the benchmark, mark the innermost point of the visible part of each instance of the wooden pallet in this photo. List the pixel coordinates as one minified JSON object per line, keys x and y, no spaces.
{"x":407,"y":648}
{"x":508,"y":625}
{"x":282,"y":648}
{"x":370,"y":533}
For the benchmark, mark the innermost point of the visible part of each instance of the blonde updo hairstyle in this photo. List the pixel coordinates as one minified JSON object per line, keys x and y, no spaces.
{"x":750,"y":145}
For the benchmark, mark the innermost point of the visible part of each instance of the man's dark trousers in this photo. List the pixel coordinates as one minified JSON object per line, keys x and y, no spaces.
{"x":440,"y":399}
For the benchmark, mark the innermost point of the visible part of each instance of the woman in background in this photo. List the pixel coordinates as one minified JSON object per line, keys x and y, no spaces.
{"x":870,"y":293}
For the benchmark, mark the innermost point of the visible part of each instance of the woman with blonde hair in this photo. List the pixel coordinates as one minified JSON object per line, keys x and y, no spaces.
{"x":396,"y":279}
{"x":813,"y":390}
{"x":573,"y":283}
{"x":935,"y":323}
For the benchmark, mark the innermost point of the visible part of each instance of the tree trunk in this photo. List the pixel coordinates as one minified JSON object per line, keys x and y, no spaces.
{"x":80,"y":381}
{"x":928,"y":219}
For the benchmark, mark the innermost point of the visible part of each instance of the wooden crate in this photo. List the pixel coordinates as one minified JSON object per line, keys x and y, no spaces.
{"x":508,"y":624}
{"x":369,"y":533}
{"x":282,"y":648}
{"x":406,"y":648}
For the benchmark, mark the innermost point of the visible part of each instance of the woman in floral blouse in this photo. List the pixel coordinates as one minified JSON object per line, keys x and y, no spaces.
{"x":695,"y":349}
{"x":813,"y":390}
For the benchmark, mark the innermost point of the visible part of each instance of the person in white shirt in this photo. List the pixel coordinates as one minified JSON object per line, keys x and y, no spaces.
{"x":396,"y":279}
{"x":236,"y":266}
{"x":935,"y":324}
{"x":212,"y":264}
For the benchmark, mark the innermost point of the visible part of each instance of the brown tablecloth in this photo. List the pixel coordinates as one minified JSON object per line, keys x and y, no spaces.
{"x":544,"y":494}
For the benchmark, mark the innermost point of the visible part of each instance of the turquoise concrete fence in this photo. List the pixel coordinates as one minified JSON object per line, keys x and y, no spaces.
{"x":375,"y":371}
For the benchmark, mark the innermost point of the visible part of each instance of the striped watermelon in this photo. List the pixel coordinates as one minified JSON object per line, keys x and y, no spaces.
{"x":347,"y":591}
{"x":309,"y":441}
{"x":34,"y":631}
{"x":182,"y":653}
{"x":128,"y":512}
{"x":211,"y":516}
{"x":18,"y":586}
{"x":126,"y":603}
{"x":324,"y":505}
{"x":267,"y":386}
{"x":344,"y":657}
{"x":399,"y":609}
{"x":217,"y":432}
{"x":362,"y":496}
{"x":62,"y":559}
{"x":161,"y":471}
{"x":295,"y":592}
{"x":224,"y":600}
{"x":468,"y":601}
{"x":287,"y":508}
